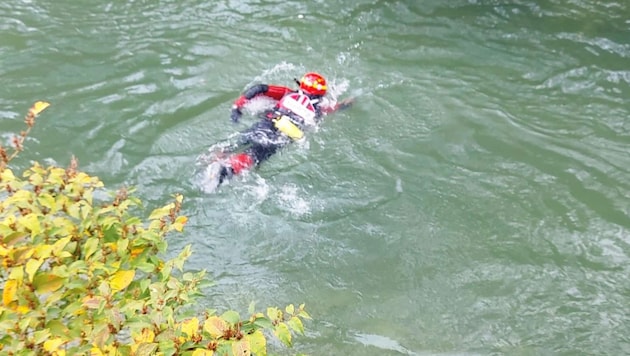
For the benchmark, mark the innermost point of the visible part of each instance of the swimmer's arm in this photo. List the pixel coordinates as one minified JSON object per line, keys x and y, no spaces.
{"x":275,"y":92}
{"x":340,"y":105}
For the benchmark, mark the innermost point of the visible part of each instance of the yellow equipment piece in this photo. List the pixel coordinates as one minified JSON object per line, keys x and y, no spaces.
{"x":284,"y":124}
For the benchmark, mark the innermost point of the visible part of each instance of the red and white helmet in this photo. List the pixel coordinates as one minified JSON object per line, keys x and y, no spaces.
{"x":313,"y":84}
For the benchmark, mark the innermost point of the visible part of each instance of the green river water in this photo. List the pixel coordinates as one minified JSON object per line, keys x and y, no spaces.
{"x":474,"y":201}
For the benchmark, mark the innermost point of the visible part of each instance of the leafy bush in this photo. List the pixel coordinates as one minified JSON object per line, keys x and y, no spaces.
{"x":83,"y":276}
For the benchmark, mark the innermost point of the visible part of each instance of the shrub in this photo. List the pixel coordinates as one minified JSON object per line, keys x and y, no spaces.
{"x":82,"y":275}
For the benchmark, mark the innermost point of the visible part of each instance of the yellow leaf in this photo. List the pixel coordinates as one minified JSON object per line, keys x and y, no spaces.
{"x":136,"y":251}
{"x":202,"y":352}
{"x":17,"y":273}
{"x":47,"y":282}
{"x":36,"y":179}
{"x":82,"y":178}
{"x":190,"y":327}
{"x":39,"y":106}
{"x":46,"y":200}
{"x":9,"y":293}
{"x":23,"y":309}
{"x":32,"y":266}
{"x":59,"y":245}
{"x":7,"y":175}
{"x":159,"y":213}
{"x":257,"y":342}
{"x":52,"y":344}
{"x":147,"y":336}
{"x":31,"y":222}
{"x":121,"y":279}
{"x":43,"y":251}
{"x":241,"y":347}
{"x":215,"y":326}
{"x":177,"y":227}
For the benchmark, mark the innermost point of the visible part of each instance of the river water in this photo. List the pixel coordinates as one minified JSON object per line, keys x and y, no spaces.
{"x":474,"y":201}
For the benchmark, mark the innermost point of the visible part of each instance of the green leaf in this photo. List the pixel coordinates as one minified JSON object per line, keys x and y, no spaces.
{"x":12,"y":238}
{"x":296,"y":324}
{"x":53,"y":298}
{"x":77,"y":267}
{"x":231,"y":317}
{"x":263,"y":322}
{"x":90,"y":246}
{"x":75,"y":307}
{"x":133,"y":221}
{"x":40,"y":336}
{"x":24,"y":324}
{"x":165,"y":273}
{"x":252,"y":308}
{"x":167,"y":347}
{"x":121,"y":247}
{"x":143,"y":266}
{"x":283,"y":334}
{"x":183,"y":256}
{"x":290,"y":309}
{"x":144,"y":284}
{"x":57,"y":328}
{"x":61,"y":271}
{"x":139,"y":322}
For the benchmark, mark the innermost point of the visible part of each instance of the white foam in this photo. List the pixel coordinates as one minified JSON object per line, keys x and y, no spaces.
{"x":399,"y":188}
{"x":289,"y":198}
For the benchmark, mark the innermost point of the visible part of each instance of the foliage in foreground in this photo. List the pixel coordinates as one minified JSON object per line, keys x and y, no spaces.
{"x":81,"y":276}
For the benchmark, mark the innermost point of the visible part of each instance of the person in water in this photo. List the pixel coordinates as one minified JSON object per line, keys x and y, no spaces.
{"x":294,"y":111}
